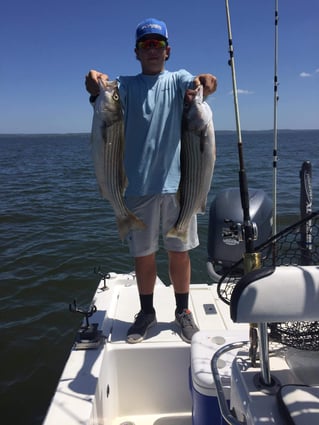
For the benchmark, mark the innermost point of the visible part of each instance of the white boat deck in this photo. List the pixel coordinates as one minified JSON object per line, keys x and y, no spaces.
{"x":209,"y":313}
{"x":140,"y":384}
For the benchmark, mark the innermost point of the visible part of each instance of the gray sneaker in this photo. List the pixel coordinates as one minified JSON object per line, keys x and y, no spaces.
{"x":186,"y":322}
{"x":138,"y":330}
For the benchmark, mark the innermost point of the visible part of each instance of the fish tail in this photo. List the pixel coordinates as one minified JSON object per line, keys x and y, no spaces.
{"x":176,"y":233}
{"x":130,"y":222}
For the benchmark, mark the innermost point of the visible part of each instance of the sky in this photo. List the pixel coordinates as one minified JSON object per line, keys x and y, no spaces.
{"x":47,"y":47}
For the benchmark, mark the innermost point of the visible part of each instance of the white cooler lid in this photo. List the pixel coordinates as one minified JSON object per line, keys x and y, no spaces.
{"x":203,"y":347}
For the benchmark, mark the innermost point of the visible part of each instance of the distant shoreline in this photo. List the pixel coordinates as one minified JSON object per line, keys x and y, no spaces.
{"x":284,"y":130}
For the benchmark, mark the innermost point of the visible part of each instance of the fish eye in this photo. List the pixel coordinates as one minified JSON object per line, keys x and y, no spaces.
{"x":115,"y":96}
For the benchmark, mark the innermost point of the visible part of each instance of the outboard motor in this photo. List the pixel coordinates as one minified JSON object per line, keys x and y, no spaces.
{"x":226,"y":241}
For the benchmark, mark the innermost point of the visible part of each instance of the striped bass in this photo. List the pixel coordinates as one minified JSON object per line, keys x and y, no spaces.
{"x":198,"y":154}
{"x":107,"y":143}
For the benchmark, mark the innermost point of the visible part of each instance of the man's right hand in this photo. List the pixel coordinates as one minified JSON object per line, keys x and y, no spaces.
{"x":91,"y":81}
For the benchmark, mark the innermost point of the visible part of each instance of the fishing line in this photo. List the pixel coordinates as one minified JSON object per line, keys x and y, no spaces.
{"x":248,"y":227}
{"x":275,"y":130}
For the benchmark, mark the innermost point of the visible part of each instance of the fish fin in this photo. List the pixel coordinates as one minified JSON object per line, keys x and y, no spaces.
{"x":179,"y":234}
{"x":202,"y":209}
{"x":130,"y":222}
{"x":123,"y":183}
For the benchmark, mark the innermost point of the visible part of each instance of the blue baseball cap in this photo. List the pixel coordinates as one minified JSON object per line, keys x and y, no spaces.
{"x":151,"y":26}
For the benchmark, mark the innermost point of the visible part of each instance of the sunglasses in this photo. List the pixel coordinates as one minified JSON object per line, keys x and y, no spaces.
{"x":152,"y":44}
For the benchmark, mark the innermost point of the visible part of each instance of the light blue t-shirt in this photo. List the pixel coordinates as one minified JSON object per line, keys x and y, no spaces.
{"x":153,"y":107}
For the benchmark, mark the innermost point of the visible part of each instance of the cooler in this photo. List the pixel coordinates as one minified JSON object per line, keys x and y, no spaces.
{"x":205,"y":409}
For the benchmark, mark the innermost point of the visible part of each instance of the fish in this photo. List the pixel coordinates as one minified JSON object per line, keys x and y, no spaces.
{"x":107,"y":148}
{"x":198,"y":155}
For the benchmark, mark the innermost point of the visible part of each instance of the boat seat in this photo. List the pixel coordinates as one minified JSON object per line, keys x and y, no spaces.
{"x":280,"y":294}
{"x":299,"y":404}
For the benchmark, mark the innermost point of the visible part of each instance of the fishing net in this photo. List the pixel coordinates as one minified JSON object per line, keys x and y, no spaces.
{"x":298,"y":244}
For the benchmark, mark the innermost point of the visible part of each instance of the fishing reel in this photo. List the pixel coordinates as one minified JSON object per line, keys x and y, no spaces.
{"x":234,"y":233}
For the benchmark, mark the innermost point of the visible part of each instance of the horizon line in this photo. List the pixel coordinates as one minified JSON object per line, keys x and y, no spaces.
{"x":88,"y":132}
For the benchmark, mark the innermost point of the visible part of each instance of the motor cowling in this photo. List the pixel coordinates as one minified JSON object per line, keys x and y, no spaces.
{"x":226,"y":239}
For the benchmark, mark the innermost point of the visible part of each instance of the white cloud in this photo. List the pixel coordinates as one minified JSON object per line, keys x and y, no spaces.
{"x":241,"y":91}
{"x":307,"y":74}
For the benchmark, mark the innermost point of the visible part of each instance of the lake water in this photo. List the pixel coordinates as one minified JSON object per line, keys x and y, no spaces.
{"x":55,"y":229}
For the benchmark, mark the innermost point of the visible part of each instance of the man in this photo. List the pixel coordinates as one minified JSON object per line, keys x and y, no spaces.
{"x":153,"y":105}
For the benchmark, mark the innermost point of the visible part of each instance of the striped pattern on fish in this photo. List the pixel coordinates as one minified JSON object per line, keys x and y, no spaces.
{"x":107,"y":145}
{"x":198,"y":154}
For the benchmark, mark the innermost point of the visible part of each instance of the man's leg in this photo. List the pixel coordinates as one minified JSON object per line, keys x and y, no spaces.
{"x":145,"y":269}
{"x":180,"y":274}
{"x":179,"y":270}
{"x":143,"y":245}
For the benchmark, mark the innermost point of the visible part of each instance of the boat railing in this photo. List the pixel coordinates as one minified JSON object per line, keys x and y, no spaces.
{"x":222,"y":401}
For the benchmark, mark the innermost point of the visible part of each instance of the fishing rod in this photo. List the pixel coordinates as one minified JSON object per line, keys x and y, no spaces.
{"x":251,"y":259}
{"x":276,"y":98}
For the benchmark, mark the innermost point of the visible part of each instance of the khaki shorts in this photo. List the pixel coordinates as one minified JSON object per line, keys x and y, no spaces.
{"x":158,"y":212}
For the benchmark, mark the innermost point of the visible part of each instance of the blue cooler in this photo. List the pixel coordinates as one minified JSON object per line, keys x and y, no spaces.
{"x":204,"y":394}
